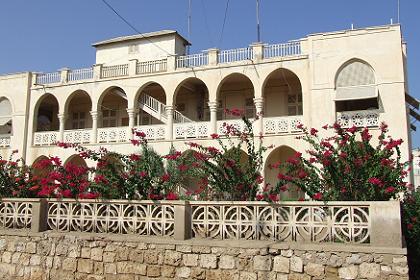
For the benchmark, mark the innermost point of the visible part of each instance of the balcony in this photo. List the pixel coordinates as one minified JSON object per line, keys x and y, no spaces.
{"x":5,"y":140}
{"x":365,"y":118}
{"x":208,"y":58}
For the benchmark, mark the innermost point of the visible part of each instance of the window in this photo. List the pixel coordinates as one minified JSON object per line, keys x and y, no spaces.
{"x":294,"y":104}
{"x":133,"y":49}
{"x":79,"y":120}
{"x":109,"y":118}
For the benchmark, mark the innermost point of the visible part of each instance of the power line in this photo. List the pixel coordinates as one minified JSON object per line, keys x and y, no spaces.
{"x":132,"y":27}
{"x":206,"y":23}
{"x":224,"y":22}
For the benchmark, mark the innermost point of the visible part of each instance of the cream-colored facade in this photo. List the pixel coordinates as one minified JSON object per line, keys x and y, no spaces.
{"x":356,"y":77}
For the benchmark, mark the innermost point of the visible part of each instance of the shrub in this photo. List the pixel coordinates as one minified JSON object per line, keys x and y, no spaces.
{"x":345,"y":166}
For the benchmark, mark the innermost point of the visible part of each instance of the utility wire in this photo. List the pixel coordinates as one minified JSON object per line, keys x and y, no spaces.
{"x":132,"y":27}
{"x":206,"y":23}
{"x":224,"y":22}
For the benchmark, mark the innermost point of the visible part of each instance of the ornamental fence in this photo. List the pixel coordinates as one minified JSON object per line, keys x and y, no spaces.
{"x":363,"y":223}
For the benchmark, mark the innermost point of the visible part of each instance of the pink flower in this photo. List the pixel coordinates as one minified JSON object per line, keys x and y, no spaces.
{"x":317,"y":196}
{"x":299,"y":126}
{"x":390,"y":190}
{"x":325,"y":126}
{"x":375,"y":181}
{"x":140,"y":134}
{"x":365,"y":134}
{"x":172,"y":196}
{"x":352,"y":129}
{"x":273,"y":197}
{"x":327,"y":154}
{"x":135,"y":142}
{"x":214,"y":136}
{"x":66,"y":193}
{"x":336,"y":126}
{"x":314,"y":131}
{"x":343,"y":155}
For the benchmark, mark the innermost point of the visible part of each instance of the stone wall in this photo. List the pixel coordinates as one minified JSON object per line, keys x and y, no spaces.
{"x":26,"y":255}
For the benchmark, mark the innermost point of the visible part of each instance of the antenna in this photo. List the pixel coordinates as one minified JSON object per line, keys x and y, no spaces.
{"x":258,"y":20}
{"x":398,"y":11}
{"x":189,"y":24}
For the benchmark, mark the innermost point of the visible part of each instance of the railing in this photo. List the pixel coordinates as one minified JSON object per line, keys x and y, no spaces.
{"x":45,"y":138}
{"x":372,"y":223}
{"x":79,"y":136}
{"x":280,"y":50}
{"x":193,"y":60}
{"x":223,"y":126}
{"x":80,"y":74}
{"x":115,"y":216}
{"x":180,"y":118}
{"x":4,"y":141}
{"x":154,"y":66}
{"x":113,"y":134}
{"x":281,"y":125}
{"x":227,"y":56}
{"x":48,"y":78}
{"x":153,"y":132}
{"x":114,"y":71}
{"x":191,"y":130}
{"x":153,"y":104}
{"x":367,"y":118}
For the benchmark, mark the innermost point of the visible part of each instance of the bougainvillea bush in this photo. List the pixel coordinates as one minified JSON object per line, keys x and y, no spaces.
{"x":345,"y":166}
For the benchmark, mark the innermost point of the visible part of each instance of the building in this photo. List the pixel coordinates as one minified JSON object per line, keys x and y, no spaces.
{"x":356,"y":77}
{"x":416,"y":167}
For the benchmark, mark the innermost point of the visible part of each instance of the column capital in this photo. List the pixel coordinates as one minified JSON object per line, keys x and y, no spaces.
{"x":62,"y":116}
{"x":95,"y":114}
{"x":132,"y":111}
{"x":259,"y":101}
{"x":169,"y":108}
{"x":213,"y":105}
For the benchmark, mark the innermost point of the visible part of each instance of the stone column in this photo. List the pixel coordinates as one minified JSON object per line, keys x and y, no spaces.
{"x":259,"y":108}
{"x":213,"y":116}
{"x":94,"y":135}
{"x":132,"y":112}
{"x":170,"y":122}
{"x":62,"y":120}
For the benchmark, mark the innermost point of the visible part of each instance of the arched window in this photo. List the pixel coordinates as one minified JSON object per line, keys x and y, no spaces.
{"x":5,"y":116}
{"x":356,"y":87}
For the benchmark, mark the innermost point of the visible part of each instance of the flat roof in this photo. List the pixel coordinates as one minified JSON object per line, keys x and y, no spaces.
{"x":139,"y":36}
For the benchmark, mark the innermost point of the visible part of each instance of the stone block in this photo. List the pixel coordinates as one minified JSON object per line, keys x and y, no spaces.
{"x":183,"y":272}
{"x":69,"y":264}
{"x":7,"y":269}
{"x":201,"y":249}
{"x":96,"y":254}
{"x":198,"y":273}
{"x":402,"y":270}
{"x":262,"y":263}
{"x":287,"y":253}
{"x":172,"y":258}
{"x":126,"y":267}
{"x":98,"y":268}
{"x":244,"y":275}
{"x":85,"y":253}
{"x":227,"y":262}
{"x":213,"y":275}
{"x":110,"y":268}
{"x":167,"y":271}
{"x":314,"y":269}
{"x":399,"y":260}
{"x":267,"y":275}
{"x":85,"y":266}
{"x":229,"y":274}
{"x":348,"y":272}
{"x":295,"y":276}
{"x":108,"y":257}
{"x":151,"y":257}
{"x":184,"y":248}
{"x":35,"y":260}
{"x":6,"y":257}
{"x":190,"y":259}
{"x":31,"y":248}
{"x":61,"y":249}
{"x":296,"y":264}
{"x":281,"y":264}
{"x":135,"y":255}
{"x":153,"y":271}
{"x":369,"y":270}
{"x":208,"y":261}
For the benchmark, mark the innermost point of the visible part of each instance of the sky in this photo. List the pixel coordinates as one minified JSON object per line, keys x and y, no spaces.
{"x":46,"y":35}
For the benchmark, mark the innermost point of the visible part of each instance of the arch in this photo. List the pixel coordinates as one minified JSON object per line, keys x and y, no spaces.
{"x":6,"y":111}
{"x":39,"y":170}
{"x":154,"y":94}
{"x":77,"y":108}
{"x":76,"y":160}
{"x":113,"y":104}
{"x":280,"y":154}
{"x":191,"y":98}
{"x":354,"y":72}
{"x":236,"y":90}
{"x":46,"y":113}
{"x":282,"y":92}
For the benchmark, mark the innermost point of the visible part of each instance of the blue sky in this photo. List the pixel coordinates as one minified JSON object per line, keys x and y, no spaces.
{"x":46,"y":35}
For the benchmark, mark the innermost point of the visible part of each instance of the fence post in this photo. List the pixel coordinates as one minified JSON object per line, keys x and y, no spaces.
{"x":39,"y":215}
{"x":213,"y":56}
{"x":64,"y":73}
{"x":97,"y":71}
{"x":132,"y":67}
{"x":182,"y":221}
{"x":258,"y":51}
{"x":385,"y":224}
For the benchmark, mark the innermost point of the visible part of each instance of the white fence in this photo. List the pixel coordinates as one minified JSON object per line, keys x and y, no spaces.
{"x":280,"y":50}
{"x":280,"y":125}
{"x":114,"y":71}
{"x":15,"y":214}
{"x":45,"y":138}
{"x":80,"y":74}
{"x":113,"y":134}
{"x":154,"y":66}
{"x":153,"y":132}
{"x":191,"y":130}
{"x":79,"y":136}
{"x":227,"y":56}
{"x":4,"y":140}
{"x":48,"y":78}
{"x":368,"y":118}
{"x":193,"y":60}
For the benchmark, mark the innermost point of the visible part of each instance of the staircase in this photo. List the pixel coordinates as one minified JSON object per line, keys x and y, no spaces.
{"x":156,"y":109}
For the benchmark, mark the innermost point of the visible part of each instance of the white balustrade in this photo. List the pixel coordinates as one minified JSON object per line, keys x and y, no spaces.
{"x":4,"y":141}
{"x":154,"y":66}
{"x":281,"y":125}
{"x":80,"y":74}
{"x":45,"y":138}
{"x":343,"y":222}
{"x":227,"y":56}
{"x":153,"y":132}
{"x":193,"y":60}
{"x":113,"y":134}
{"x":191,"y":130}
{"x":237,"y":124}
{"x":280,"y":50}
{"x":16,"y":213}
{"x":114,"y":71}
{"x":79,"y":136}
{"x":367,"y":118}
{"x":48,"y":78}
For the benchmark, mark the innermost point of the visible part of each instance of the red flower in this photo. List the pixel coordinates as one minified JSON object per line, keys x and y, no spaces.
{"x":214,"y":136}
{"x":410,"y":226}
{"x":182,"y":167}
{"x":336,"y":126}
{"x":365,"y":135}
{"x":299,"y":126}
{"x":66,"y":193}
{"x":259,"y":197}
{"x":302,"y":174}
{"x":314,"y":131}
{"x":165,"y":177}
{"x":384,"y":127}
{"x":89,"y":195}
{"x":134,"y":157}
{"x":292,"y":161}
{"x":135,"y":142}
{"x":317,"y":196}
{"x":352,"y":129}
{"x":325,"y":126}
{"x":414,"y":219}
{"x":34,"y":188}
{"x":273,"y":197}
{"x":172,"y":196}
{"x":284,"y":188}
{"x":390,"y":190}
{"x":375,"y":181}
{"x":140,"y":134}
{"x":174,"y":155}
{"x":327,"y":154}
{"x":142,"y":174}
{"x":343,"y":155}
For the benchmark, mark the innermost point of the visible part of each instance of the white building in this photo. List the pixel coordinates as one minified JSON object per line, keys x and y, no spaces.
{"x":357,"y":77}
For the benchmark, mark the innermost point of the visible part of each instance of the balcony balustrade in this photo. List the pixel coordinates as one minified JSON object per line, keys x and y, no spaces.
{"x":282,"y":125}
{"x":191,"y":130}
{"x":4,"y":141}
{"x":366,"y":118}
{"x":79,"y":136}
